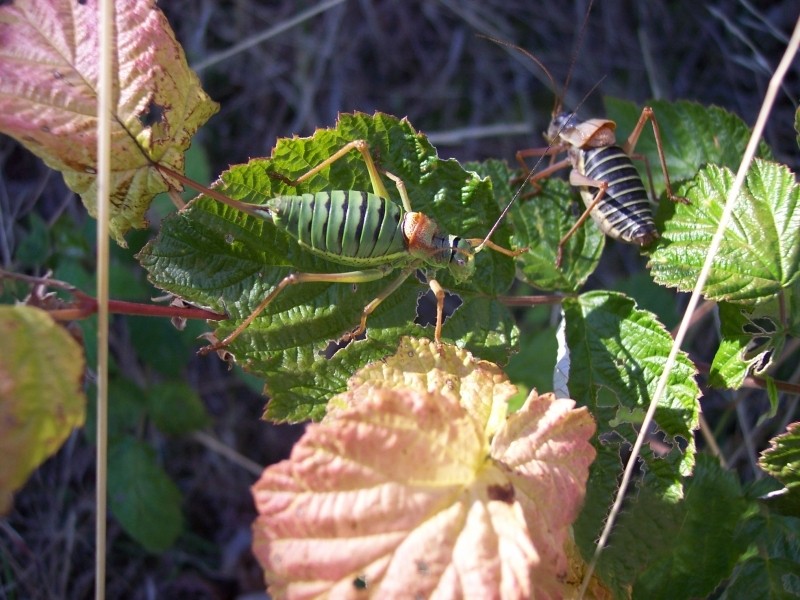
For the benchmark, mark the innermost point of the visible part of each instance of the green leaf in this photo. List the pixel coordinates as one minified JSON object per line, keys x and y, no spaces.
{"x":217,"y":257}
{"x":754,"y":337}
{"x":677,"y":542}
{"x":126,"y":410}
{"x":41,"y":396}
{"x":540,"y":222}
{"x":176,"y":408}
{"x":770,"y":571}
{"x":764,"y":578}
{"x":797,"y":124}
{"x":747,"y":342}
{"x":702,"y":547}
{"x":615,"y":356}
{"x":617,"y":353}
{"x":617,"y":565}
{"x":692,"y":135}
{"x":760,"y":250}
{"x":782,"y":458}
{"x":772,"y":394}
{"x":142,"y":497}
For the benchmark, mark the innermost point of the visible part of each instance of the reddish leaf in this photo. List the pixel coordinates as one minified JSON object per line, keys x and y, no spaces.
{"x":405,"y":490}
{"x":48,"y":97}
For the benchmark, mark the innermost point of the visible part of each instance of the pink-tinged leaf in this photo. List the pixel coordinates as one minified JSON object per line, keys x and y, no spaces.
{"x":545,"y":448}
{"x":401,"y":492}
{"x":48,"y":97}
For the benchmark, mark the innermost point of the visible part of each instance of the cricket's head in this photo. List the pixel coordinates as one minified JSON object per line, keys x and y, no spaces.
{"x":592,"y":133}
{"x":462,"y":258}
{"x":425,"y":241}
{"x":561,"y":123}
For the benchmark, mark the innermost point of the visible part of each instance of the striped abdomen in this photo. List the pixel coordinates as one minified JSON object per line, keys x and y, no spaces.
{"x":347,"y":227}
{"x":624,"y":212}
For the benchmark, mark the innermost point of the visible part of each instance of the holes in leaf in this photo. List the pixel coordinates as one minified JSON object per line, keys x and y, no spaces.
{"x":426,"y":307}
{"x":335,"y":345}
{"x":152,"y":115}
{"x":760,"y":326}
{"x":501,"y":493}
{"x":761,"y":346}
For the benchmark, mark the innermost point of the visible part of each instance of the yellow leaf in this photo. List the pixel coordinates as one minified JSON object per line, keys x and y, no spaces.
{"x":41,"y":400}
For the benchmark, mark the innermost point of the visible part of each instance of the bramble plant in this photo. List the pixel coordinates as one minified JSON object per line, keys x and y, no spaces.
{"x":426,"y":474}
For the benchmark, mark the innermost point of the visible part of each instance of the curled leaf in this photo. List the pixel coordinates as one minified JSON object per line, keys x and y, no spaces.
{"x":782,"y":458}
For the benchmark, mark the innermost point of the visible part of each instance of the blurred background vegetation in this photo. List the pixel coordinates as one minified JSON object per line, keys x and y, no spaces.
{"x":421,"y":59}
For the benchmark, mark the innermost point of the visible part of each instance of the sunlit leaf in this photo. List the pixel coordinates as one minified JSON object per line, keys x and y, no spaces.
{"x":760,"y":252}
{"x":480,"y":386}
{"x":41,"y":398}
{"x":217,"y":257}
{"x":782,"y":458}
{"x":540,"y":221}
{"x":403,"y":490}
{"x":616,"y":355}
{"x":692,"y":135}
{"x":748,"y":342}
{"x":48,"y":97}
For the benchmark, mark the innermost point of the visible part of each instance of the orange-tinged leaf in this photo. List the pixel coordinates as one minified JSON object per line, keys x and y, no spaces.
{"x":402,"y":491}
{"x":545,"y":447}
{"x":41,"y":401}
{"x":48,"y":97}
{"x":480,"y":386}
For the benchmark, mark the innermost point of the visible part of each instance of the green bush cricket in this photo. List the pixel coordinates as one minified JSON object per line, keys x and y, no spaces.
{"x":364,"y":230}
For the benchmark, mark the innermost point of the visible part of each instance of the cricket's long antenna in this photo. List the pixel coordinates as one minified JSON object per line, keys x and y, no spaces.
{"x":539,"y":63}
{"x":574,"y":57}
{"x":557,"y":107}
{"x":533,"y":169}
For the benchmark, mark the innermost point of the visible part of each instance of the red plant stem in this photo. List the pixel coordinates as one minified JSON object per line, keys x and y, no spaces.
{"x":86,"y":305}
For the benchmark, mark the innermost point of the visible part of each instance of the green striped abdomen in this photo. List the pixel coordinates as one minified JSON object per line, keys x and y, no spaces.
{"x":347,"y":227}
